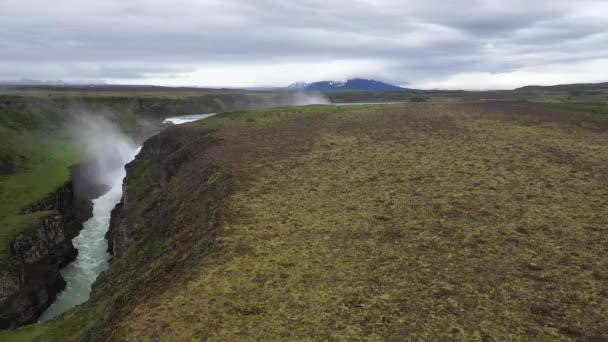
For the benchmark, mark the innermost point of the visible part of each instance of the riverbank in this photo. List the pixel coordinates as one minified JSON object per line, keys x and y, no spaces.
{"x":434,"y":221}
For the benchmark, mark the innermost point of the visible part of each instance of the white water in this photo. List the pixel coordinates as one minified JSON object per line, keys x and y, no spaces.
{"x":178,"y":120}
{"x":92,"y":246}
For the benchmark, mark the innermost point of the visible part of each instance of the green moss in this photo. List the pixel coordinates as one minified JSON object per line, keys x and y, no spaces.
{"x":25,"y":334}
{"x":214,"y":178}
{"x":264,"y":116}
{"x":600,"y":108}
{"x":142,"y":181}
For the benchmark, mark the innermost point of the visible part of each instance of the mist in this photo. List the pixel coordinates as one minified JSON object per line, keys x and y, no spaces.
{"x":287,"y":99}
{"x":303,"y":99}
{"x":107,"y":148}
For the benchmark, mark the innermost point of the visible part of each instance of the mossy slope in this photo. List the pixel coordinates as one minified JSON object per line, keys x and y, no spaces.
{"x":419,"y":221}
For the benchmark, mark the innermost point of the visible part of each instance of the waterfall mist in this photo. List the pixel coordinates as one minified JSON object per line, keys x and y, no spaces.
{"x":302,"y":99}
{"x":287,"y":99}
{"x":107,"y":148}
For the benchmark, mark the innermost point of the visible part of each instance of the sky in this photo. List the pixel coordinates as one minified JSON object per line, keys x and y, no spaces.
{"x":464,"y":44}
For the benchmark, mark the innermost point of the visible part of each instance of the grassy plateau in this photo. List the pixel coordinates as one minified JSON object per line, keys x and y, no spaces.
{"x":421,"y":221}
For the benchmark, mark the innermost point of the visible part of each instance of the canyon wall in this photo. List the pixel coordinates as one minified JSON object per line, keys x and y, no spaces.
{"x":31,"y":280}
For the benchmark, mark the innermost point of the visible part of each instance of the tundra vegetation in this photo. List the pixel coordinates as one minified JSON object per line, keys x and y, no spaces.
{"x":432,"y":221}
{"x":460,"y":220}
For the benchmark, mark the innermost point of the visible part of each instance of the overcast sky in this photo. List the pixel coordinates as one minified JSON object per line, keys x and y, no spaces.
{"x":464,"y":44}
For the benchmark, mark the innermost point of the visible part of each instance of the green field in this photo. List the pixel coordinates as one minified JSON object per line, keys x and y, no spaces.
{"x":600,"y":108}
{"x":35,"y":154}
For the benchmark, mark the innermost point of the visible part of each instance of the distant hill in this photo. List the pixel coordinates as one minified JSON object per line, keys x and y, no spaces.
{"x":353,"y":84}
{"x":24,"y":82}
{"x":564,"y":87}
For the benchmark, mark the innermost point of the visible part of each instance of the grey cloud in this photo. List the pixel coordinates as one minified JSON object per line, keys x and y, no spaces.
{"x":130,"y":39}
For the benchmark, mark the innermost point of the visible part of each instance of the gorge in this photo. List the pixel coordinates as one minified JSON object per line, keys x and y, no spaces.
{"x":93,"y":252}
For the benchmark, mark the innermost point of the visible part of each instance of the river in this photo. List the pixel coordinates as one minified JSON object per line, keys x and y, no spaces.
{"x":93,"y":257}
{"x":178,"y":120}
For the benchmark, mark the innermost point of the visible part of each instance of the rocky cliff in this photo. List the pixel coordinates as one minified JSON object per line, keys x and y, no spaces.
{"x":31,"y":280}
{"x":149,"y":203}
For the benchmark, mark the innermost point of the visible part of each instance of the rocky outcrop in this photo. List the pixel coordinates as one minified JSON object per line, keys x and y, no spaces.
{"x":117,"y":225}
{"x":30,"y":280}
{"x":52,"y":240}
{"x":26,"y":293}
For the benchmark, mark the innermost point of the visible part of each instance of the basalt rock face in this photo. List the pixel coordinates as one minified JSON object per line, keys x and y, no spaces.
{"x":52,"y":240}
{"x":149,"y":190}
{"x":31,"y":280}
{"x":26,"y":293}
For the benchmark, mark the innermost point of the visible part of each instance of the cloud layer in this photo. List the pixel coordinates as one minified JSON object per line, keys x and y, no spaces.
{"x":465,"y":44}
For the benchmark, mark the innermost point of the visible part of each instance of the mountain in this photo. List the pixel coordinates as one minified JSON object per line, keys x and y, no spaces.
{"x":352,"y":84}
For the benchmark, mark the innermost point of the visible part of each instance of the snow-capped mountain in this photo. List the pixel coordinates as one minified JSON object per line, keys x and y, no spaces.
{"x":353,"y":84}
